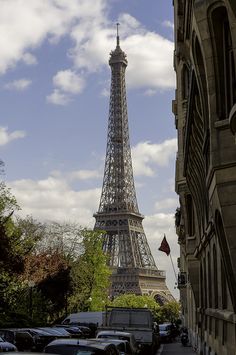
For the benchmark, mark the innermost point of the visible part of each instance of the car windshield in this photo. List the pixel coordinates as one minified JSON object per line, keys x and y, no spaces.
{"x":163,"y":327}
{"x":1,"y":339}
{"x":113,"y":336}
{"x":89,"y":352}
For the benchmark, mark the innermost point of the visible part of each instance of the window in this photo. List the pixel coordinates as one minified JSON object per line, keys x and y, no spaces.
{"x":209,"y":280}
{"x":205,"y":282}
{"x":201,"y":282}
{"x":216,"y":328}
{"x":210,"y":325}
{"x":229,"y":68}
{"x":224,"y":62}
{"x":224,"y":332}
{"x":190,"y":214}
{"x":223,"y":287}
{"x":185,"y":82}
{"x":215,"y":277}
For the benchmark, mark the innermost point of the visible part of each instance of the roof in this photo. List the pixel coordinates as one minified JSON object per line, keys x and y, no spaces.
{"x":114,"y":332}
{"x":75,"y":342}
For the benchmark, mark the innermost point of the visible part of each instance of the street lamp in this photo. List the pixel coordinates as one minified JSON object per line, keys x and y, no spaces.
{"x":89,"y":303}
{"x":31,"y":285}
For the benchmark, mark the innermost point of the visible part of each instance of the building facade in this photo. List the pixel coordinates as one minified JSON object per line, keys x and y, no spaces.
{"x":205,"y":118}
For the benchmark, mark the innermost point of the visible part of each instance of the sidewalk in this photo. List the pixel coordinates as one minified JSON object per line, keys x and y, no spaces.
{"x":175,"y":348}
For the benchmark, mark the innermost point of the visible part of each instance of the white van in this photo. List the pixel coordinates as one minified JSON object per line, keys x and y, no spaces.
{"x":85,"y":317}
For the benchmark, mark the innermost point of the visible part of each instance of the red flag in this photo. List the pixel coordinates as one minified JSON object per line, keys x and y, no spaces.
{"x":165,"y":246}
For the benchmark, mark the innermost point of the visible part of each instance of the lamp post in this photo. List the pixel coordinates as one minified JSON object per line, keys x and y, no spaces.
{"x":31,"y":285}
{"x":89,"y":303}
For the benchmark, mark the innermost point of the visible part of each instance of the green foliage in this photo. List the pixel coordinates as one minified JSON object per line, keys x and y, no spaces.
{"x":170,"y":312}
{"x":30,"y":234}
{"x":8,"y":202}
{"x":14,"y":320}
{"x":65,"y":264}
{"x":64,"y":237}
{"x":90,"y":275}
{"x":11,"y":261}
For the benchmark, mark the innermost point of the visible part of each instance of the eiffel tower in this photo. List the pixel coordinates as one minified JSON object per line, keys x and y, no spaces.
{"x":133,"y":267}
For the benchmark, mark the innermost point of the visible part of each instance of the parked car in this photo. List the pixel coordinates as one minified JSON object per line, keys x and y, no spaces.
{"x":92,"y":326}
{"x":6,"y":346}
{"x":75,"y":331}
{"x":57,"y":333}
{"x":22,"y":339}
{"x":40,"y":337}
{"x":114,"y":334}
{"x":123,"y":346}
{"x":86,"y":331}
{"x":165,"y":332}
{"x":22,"y":353}
{"x":80,"y":346}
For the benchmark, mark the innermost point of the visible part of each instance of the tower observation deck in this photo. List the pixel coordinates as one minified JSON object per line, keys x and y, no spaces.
{"x":133,"y":266}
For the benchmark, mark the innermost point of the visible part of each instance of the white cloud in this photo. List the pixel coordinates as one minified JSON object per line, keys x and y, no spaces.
{"x":6,"y":137}
{"x":58,"y":98}
{"x":105,"y":92}
{"x":19,"y":85}
{"x":29,"y":59}
{"x":146,"y":154}
{"x":54,"y":199}
{"x":76,"y":175}
{"x":150,"y":92}
{"x":168,"y":23}
{"x":150,"y":61}
{"x":166,"y":204}
{"x":84,"y":175}
{"x":69,"y":81}
{"x":150,"y":55}
{"x":25,"y":26}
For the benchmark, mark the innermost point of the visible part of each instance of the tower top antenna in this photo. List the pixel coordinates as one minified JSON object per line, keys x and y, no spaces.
{"x":117,"y":34}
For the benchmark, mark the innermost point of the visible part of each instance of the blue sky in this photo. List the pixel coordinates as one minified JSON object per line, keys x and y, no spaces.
{"x":54,"y":84}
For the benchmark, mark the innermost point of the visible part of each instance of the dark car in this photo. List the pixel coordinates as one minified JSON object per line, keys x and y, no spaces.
{"x":57,"y":333}
{"x":86,"y":331}
{"x":114,"y":334}
{"x":123,"y":346}
{"x":80,"y":347}
{"x":165,"y":332}
{"x":40,"y":338}
{"x":6,"y":346}
{"x":22,"y":339}
{"x":74,"y":331}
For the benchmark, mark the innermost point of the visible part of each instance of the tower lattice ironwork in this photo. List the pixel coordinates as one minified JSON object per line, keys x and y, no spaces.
{"x":133,"y":266}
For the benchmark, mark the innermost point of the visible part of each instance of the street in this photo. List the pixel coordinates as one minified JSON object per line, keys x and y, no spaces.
{"x":175,"y":348}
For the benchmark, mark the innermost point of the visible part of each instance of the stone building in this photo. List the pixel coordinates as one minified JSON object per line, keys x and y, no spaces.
{"x":205,"y":118}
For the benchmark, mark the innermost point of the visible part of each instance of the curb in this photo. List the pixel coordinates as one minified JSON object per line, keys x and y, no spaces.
{"x":160,"y":350}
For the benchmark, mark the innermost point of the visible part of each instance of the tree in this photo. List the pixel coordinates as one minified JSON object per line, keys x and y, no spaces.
{"x":8,"y":203}
{"x":90,"y":275}
{"x":47,"y":266}
{"x":12,"y":260}
{"x":170,"y":312}
{"x":65,"y":237}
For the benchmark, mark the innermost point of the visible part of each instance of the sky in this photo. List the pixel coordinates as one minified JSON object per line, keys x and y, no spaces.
{"x":54,"y":89}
